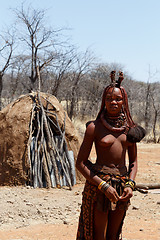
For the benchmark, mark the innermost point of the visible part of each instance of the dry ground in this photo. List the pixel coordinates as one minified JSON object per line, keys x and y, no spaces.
{"x":42,"y":214}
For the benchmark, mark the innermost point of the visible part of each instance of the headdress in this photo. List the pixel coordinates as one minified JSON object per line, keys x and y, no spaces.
{"x":134,"y":133}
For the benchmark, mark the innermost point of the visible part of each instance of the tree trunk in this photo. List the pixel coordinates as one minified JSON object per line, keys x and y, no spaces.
{"x":1,"y":87}
{"x":72,"y":105}
{"x":154,"y":126}
{"x":147,"y":106}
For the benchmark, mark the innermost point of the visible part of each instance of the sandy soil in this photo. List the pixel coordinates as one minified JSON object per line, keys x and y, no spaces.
{"x":52,"y":214}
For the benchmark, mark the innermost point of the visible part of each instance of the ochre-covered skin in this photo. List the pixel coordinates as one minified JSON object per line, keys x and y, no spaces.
{"x":111,"y":147}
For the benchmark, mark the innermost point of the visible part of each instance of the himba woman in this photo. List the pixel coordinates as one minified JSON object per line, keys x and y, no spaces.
{"x":109,"y":184}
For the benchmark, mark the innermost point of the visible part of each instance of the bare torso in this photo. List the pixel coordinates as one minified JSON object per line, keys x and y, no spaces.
{"x":110,"y":147}
{"x":110,"y":150}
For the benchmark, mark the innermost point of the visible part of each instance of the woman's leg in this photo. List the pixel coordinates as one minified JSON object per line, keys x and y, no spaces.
{"x":115,"y":221}
{"x":100,"y":224}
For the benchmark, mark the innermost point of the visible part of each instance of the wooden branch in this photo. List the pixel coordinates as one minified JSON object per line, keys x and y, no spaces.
{"x":49,"y":141}
{"x":49,"y":151}
{"x":39,"y":79}
{"x":63,"y":164}
{"x":50,"y":165}
{"x":39,"y":158}
{"x":46,"y":172}
{"x":30,"y":139}
{"x":63,"y":134}
{"x":148,"y":185}
{"x":35,"y":172}
{"x":51,"y":120}
{"x":141,"y":190}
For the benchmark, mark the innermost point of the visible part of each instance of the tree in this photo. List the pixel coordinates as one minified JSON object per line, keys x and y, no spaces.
{"x":18,"y":77}
{"x":40,"y":41}
{"x":83,"y":65}
{"x":6,"y":51}
{"x":62,"y":70}
{"x":149,"y":100}
{"x":147,"y":105}
{"x":92,"y":89}
{"x":156,"y":109}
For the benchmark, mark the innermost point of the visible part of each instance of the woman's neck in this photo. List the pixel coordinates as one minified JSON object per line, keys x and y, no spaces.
{"x":114,"y":123}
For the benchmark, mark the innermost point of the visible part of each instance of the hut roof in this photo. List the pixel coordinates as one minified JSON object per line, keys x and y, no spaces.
{"x":14,"y":127}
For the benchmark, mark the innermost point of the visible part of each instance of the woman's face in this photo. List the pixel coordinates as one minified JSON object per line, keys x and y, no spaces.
{"x":113,"y":101}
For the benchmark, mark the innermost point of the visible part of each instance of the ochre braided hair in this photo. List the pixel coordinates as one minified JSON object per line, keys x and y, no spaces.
{"x":125,"y":107}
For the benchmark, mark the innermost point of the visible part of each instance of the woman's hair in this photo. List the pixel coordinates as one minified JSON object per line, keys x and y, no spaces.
{"x":125,"y":107}
{"x":134,"y":133}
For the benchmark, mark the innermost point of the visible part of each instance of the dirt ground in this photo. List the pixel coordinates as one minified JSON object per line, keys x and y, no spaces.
{"x":52,"y":214}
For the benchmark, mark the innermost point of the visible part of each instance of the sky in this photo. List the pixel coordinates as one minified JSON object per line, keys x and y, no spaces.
{"x":125,"y":32}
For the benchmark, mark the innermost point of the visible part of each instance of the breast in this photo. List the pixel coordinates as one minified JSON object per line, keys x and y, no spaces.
{"x":109,"y":140}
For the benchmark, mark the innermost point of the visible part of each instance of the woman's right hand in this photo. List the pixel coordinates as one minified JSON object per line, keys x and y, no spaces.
{"x":112,"y":194}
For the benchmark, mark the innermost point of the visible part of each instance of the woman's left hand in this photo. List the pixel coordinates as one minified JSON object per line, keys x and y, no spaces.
{"x":127,"y":194}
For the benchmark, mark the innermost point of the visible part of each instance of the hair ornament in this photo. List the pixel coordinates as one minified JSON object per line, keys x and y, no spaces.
{"x":134,"y":132}
{"x":112,"y":76}
{"x":114,"y":82}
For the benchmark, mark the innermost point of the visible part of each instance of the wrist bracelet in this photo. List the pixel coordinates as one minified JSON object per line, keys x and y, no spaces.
{"x":130,"y":183}
{"x":101,"y":184}
{"x":105,"y":187}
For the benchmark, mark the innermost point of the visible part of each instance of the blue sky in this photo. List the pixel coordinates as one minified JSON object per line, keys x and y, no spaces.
{"x":121,"y":31}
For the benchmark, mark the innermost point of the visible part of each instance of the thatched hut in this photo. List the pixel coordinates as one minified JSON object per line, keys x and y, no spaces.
{"x":17,"y":127}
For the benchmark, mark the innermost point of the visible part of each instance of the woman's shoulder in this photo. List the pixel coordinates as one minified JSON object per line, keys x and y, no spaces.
{"x":92,"y":125}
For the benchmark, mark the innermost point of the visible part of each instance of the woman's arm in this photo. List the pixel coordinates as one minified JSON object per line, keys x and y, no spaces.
{"x":132,"y":153}
{"x":84,"y":153}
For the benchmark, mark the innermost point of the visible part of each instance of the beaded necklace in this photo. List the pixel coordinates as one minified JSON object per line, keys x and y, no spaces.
{"x":116,"y":124}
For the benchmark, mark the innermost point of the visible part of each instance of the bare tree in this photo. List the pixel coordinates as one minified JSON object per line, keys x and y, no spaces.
{"x":156,"y":109}
{"x":62,"y":70}
{"x":83,"y":65}
{"x":19,"y":83}
{"x":92,"y":89}
{"x":147,"y":105}
{"x":149,"y":98}
{"x":39,"y":40}
{"x":6,"y":51}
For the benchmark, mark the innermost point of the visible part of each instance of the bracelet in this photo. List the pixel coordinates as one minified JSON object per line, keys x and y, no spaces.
{"x":103,"y":186}
{"x":130,"y":183}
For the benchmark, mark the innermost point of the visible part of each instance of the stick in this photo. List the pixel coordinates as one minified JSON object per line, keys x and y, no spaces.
{"x":30,"y":140}
{"x":148,"y":185}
